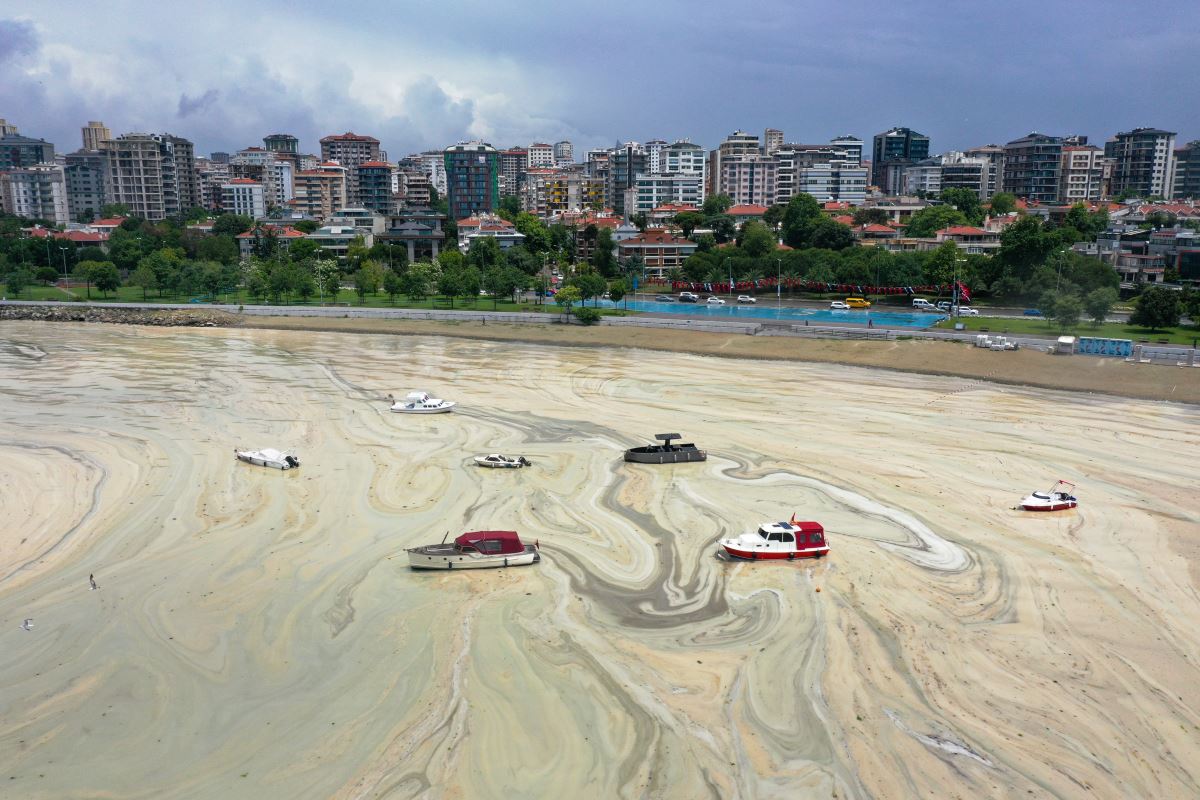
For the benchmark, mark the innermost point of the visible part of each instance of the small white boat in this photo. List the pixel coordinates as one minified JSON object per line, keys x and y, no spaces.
{"x":498,"y":461}
{"x":268,"y":457}
{"x":476,"y":550}
{"x":1058,"y":498}
{"x":421,"y":403}
{"x":776,"y":540}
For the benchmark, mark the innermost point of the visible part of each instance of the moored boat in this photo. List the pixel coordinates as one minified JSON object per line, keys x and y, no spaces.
{"x":268,"y":457}
{"x":475,"y":550}
{"x":779,"y":540}
{"x":666,"y":451}
{"x":1058,"y":498}
{"x":421,"y":403}
{"x":499,"y":461}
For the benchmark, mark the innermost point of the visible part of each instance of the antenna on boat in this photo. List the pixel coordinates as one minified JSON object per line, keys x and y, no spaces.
{"x":444,"y":537}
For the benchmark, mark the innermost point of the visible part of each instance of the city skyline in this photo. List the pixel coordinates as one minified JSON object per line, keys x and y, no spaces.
{"x":224,"y":76}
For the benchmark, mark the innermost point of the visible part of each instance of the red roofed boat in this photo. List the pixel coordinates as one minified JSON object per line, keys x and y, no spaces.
{"x":1059,"y":498}
{"x":475,"y":550}
{"x":776,"y":540}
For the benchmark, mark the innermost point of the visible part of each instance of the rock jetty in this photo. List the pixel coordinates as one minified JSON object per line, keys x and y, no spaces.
{"x":165,"y":317}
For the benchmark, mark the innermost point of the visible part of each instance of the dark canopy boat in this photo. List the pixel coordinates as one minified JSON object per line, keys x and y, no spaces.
{"x":666,"y":451}
{"x":475,"y":550}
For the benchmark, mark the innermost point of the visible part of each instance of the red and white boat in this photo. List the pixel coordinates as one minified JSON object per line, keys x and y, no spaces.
{"x":1058,"y":498}
{"x":775,"y":540}
{"x":475,"y":550}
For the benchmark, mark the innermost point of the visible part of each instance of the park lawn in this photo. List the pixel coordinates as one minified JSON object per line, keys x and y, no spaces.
{"x":1035,"y":326}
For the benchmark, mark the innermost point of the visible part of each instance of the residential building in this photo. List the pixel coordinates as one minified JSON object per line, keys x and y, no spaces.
{"x":283,"y":235}
{"x":244,"y":196}
{"x":541,"y":155}
{"x":335,"y":240}
{"x":993,"y":155}
{"x":897,"y":146}
{"x":374,"y":179}
{"x":351,"y":149}
{"x":88,"y":180}
{"x":684,"y":158}
{"x":1187,"y":172}
{"x":17,"y":151}
{"x":743,"y":214}
{"x":283,"y":143}
{"x":960,"y":171}
{"x":472,"y":179}
{"x":282,"y":174}
{"x":660,"y":250}
{"x":1033,"y":167}
{"x":35,"y":192}
{"x":625,"y":163}
{"x":434,"y":162}
{"x":514,"y":163}
{"x":414,"y":189}
{"x":829,"y":172}
{"x":7,"y":129}
{"x":153,"y":174}
{"x":970,"y":239}
{"x":737,"y":145}
{"x":1143,"y":162}
{"x":95,"y":133}
{"x":488,"y":225}
{"x":210,"y":177}
{"x":319,"y":192}
{"x":1083,"y":174}
{"x":835,"y":180}
{"x":748,"y":179}
{"x":549,"y":192}
{"x":1180,"y":249}
{"x":664,"y":216}
{"x":852,"y":146}
{"x":564,"y":153}
{"x":654,"y":149}
{"x":923,"y":178}
{"x":363,"y":218}
{"x":651,"y":191}
{"x":419,"y":230}
{"x":773,"y":141}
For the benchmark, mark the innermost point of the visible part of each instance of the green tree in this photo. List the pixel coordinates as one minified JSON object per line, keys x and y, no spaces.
{"x":567,"y":297}
{"x":106,"y":277}
{"x":449,"y":282}
{"x":305,"y":225}
{"x":484,"y":253}
{"x":688,"y":221}
{"x":967,"y":202}
{"x":799,"y":215}
{"x":46,"y":275}
{"x":640,"y":221}
{"x":617,"y":291}
{"x":218,"y":248}
{"x":941,"y":264}
{"x":931,"y":219}
{"x":393,"y":285}
{"x":716,"y":204}
{"x":1156,"y":308}
{"x":419,"y":280}
{"x":509,"y":208}
{"x":871,"y":216}
{"x":589,"y":285}
{"x":470,"y":283}
{"x":231,"y":224}
{"x":17,"y":281}
{"x":828,"y":234}
{"x":144,"y":278}
{"x":85,"y":271}
{"x":303,"y":249}
{"x":774,"y":216}
{"x":537,"y":237}
{"x":587,"y":316}
{"x":1024,"y":245}
{"x":602,"y":255}
{"x":328,"y":277}
{"x":1067,"y":310}
{"x":1003,"y":203}
{"x":114,"y":210}
{"x":1099,"y":302}
{"x":1089,"y":224}
{"x":723,"y":228}
{"x":757,"y":239}
{"x":356,"y":253}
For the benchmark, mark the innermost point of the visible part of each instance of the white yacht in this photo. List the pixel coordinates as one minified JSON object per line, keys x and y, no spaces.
{"x":421,"y":403}
{"x":500,"y":461}
{"x":268,"y":457}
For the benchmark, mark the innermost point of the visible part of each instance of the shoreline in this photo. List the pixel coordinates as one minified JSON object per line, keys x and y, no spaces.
{"x":1087,"y":374}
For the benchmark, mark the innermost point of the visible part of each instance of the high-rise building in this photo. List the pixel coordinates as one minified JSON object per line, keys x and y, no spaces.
{"x":472,"y":179}
{"x":683,"y":157}
{"x":773,"y":140}
{"x":1143,"y":162}
{"x":993,"y":154}
{"x":1033,"y":167}
{"x":829,"y":172}
{"x":210,"y":177}
{"x":541,"y":155}
{"x":1083,"y":173}
{"x":7,"y":128}
{"x":852,"y":146}
{"x":244,"y":196}
{"x":625,"y":163}
{"x":17,"y":151}
{"x":897,"y":147}
{"x":738,"y":144}
{"x":952,"y":170}
{"x":95,"y":133}
{"x":35,"y":192}
{"x":654,"y":149}
{"x":651,"y":191}
{"x":749,"y":179}
{"x":351,"y":149}
{"x":375,"y":179}
{"x":1187,"y":172}
{"x":434,"y":162}
{"x":153,"y":174}
{"x":321,"y":191}
{"x":282,"y":143}
{"x":514,"y":163}
{"x":564,"y":153}
{"x":88,"y":183}
{"x":553,"y":191}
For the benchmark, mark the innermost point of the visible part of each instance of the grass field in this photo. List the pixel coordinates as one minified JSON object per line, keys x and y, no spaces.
{"x":1110,"y":330}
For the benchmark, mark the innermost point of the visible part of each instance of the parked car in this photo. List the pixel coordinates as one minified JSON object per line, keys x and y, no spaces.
{"x":963,"y":311}
{"x":745,"y":298}
{"x":664,"y":298}
{"x":858,"y":302}
{"x":944,"y":305}
{"x":921,"y":304}
{"x":838,"y":305}
{"x":689,"y":297}
{"x":1032,"y":312}
{"x":715,"y":301}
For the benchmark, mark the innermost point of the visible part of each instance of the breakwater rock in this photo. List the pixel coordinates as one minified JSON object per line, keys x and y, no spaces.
{"x":165,"y":317}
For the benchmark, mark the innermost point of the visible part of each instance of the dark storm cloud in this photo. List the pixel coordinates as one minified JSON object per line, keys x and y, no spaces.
{"x":190,"y":105}
{"x":17,"y":38}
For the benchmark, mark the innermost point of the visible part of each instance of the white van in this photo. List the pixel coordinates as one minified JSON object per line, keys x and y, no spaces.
{"x":921,"y":304}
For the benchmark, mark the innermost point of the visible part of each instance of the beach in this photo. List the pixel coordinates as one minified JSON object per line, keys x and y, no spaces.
{"x":258,"y":633}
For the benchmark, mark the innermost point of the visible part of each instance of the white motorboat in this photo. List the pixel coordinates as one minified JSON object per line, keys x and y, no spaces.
{"x":775,"y":540}
{"x":421,"y":403}
{"x":498,"y":461}
{"x":1058,"y":498}
{"x":268,"y":457}
{"x":476,"y":550}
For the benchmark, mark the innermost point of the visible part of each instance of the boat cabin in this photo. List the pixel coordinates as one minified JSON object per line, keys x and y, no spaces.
{"x":492,"y":543}
{"x":802,"y":534}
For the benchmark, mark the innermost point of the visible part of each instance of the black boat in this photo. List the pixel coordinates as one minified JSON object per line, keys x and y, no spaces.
{"x":666,"y":451}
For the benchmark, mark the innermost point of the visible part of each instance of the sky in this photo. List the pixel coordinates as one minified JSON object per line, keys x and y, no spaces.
{"x":420,"y":75}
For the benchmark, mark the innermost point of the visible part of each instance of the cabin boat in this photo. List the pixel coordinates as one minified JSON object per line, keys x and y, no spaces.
{"x":421,"y":403}
{"x":268,"y":457}
{"x":666,"y":451}
{"x":475,"y":550}
{"x":1058,"y":498}
{"x":499,"y":461}
{"x":778,"y":540}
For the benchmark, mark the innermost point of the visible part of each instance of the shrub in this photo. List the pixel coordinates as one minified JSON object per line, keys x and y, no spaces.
{"x":588,"y":316}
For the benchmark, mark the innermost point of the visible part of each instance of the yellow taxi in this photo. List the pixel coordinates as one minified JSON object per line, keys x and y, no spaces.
{"x":858,"y":302}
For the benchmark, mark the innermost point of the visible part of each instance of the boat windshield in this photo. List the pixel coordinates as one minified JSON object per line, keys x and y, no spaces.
{"x":1041,"y":496}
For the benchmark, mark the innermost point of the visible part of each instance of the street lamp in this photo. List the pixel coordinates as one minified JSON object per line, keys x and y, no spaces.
{"x":778,"y":284}
{"x":63,"y":248}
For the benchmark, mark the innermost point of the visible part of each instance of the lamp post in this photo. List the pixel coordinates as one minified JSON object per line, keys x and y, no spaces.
{"x":729,"y":270}
{"x":778,"y":283}
{"x":63,"y":248}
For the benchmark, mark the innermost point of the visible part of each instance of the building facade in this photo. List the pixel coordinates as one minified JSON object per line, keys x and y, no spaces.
{"x":564,"y":153}
{"x":1187,"y":172}
{"x":245,"y":197}
{"x":18,"y":152}
{"x":472,"y":179}
{"x":282,"y":143}
{"x":153,"y":174}
{"x":1033,"y":167}
{"x":625,"y":163}
{"x":35,"y":192}
{"x":320,"y":192}
{"x":1143,"y":162}
{"x":351,"y":149}
{"x":87,"y":177}
{"x":1084,"y":170}
{"x":514,"y":163}
{"x":651,"y":191}
{"x":748,"y":180}
{"x":375,"y":186}
{"x":896,"y":146}
{"x":549,"y":192}
{"x":95,"y":133}
{"x":541,"y":155}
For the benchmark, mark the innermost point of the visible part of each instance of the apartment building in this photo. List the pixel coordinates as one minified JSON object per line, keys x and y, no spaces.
{"x":684,"y":158}
{"x":1033,"y":167}
{"x":375,"y":181}
{"x":654,"y":149}
{"x":651,"y":191}
{"x":244,"y":196}
{"x":625,"y":163}
{"x":564,"y":153}
{"x":660,"y":250}
{"x":748,"y":179}
{"x":319,"y":192}
{"x":1143,"y":162}
{"x":17,"y":151}
{"x":993,"y":156}
{"x":95,"y":133}
{"x":736,"y":145}
{"x":549,"y":192}
{"x":153,"y":174}
{"x":282,"y":143}
{"x":88,"y":179}
{"x":1085,"y":174}
{"x":514,"y":163}
{"x":35,"y":192}
{"x":472,"y":179}
{"x":541,"y":155}
{"x":772,"y":141}
{"x":895,"y":147}
{"x":414,"y":189}
{"x":1187,"y":172}
{"x":351,"y":149}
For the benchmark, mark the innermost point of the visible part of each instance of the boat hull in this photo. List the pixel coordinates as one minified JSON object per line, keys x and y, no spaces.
{"x":262,"y":462}
{"x":442,"y":410}
{"x":1049,"y":506}
{"x":668,"y":457}
{"x":765,"y":554}
{"x":439,"y":557}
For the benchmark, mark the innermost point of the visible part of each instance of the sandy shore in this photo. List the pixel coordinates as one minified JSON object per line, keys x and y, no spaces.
{"x":256,"y":633}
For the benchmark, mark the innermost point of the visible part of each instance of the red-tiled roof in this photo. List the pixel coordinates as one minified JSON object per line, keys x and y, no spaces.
{"x":348,"y":136}
{"x":836,"y":205}
{"x":375,"y":164}
{"x":656,"y":236}
{"x":677,"y":208}
{"x":749,"y":210}
{"x":110,"y":222}
{"x":284,"y":232}
{"x":476,"y":222}
{"x":962,"y":230}
{"x":876,"y":228}
{"x":845,"y":219}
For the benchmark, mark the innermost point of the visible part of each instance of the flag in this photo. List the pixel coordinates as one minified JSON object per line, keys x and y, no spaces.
{"x":963,"y":292}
